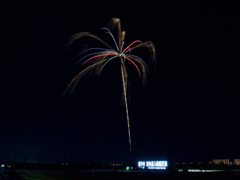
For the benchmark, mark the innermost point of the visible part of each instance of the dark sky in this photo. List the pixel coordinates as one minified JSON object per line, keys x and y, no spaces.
{"x":188,"y":110}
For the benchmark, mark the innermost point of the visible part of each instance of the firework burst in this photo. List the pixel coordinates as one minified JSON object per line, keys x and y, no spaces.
{"x":97,"y":58}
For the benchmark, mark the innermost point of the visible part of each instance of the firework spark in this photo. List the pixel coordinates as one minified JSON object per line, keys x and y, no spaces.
{"x":97,"y":58}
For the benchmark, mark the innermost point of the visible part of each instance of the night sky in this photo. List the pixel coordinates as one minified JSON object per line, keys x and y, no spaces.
{"x":188,"y":110}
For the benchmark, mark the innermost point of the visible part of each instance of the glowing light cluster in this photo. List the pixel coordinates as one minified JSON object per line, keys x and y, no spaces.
{"x":152,"y":164}
{"x":141,"y":164}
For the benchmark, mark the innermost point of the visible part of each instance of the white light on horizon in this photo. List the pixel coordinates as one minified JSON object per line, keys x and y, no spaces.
{"x":153,"y":164}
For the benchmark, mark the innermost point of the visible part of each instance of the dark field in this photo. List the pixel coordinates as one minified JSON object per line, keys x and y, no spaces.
{"x":81,"y":175}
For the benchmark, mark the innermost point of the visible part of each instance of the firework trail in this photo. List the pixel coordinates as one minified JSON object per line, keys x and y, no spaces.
{"x":96,"y":59}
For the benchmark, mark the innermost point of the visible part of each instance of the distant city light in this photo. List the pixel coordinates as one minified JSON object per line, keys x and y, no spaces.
{"x":141,"y":164}
{"x":204,"y":170}
{"x":2,"y":165}
{"x":152,"y":164}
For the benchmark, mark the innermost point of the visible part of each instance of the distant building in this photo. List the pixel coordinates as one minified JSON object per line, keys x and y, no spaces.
{"x":236,"y":162}
{"x":217,"y":161}
{"x":226,"y":161}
